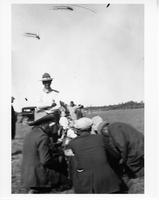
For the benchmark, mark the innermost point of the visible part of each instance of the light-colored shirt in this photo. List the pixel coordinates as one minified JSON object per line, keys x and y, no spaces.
{"x":48,"y":98}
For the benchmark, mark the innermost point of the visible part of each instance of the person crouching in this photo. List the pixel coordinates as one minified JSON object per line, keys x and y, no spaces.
{"x":40,"y":167}
{"x":92,"y":172}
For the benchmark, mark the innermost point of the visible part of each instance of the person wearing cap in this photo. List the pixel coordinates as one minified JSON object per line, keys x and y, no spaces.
{"x":13,"y":119}
{"x":92,"y":172}
{"x":41,"y":168}
{"x":48,"y":99}
{"x":127,"y":143}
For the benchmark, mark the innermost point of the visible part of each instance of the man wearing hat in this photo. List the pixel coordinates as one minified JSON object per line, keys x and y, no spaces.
{"x":48,"y":99}
{"x":41,"y":168}
{"x":92,"y":173}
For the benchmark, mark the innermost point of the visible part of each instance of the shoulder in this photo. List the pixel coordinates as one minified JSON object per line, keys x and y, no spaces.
{"x":97,"y":138}
{"x":37,"y":134}
{"x":74,"y":141}
{"x":56,"y":91}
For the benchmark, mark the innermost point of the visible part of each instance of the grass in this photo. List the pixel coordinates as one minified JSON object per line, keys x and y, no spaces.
{"x":135,"y":117}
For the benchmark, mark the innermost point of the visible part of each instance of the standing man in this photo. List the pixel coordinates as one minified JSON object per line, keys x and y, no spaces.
{"x":13,"y":118}
{"x":92,"y":173}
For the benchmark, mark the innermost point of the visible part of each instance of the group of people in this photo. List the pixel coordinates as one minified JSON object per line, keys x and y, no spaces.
{"x":65,"y":150}
{"x":93,"y":161}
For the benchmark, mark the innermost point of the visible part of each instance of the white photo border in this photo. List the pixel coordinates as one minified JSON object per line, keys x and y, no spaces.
{"x":151,"y":101}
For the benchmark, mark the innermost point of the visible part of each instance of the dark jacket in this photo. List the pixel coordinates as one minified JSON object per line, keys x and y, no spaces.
{"x":129,"y":145}
{"x":13,"y":120}
{"x":92,"y":171}
{"x":38,"y":165}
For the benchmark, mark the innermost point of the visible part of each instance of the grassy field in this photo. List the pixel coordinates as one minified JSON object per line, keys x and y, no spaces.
{"x":135,"y":117}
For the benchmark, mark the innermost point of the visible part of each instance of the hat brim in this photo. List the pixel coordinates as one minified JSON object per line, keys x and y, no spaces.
{"x":47,"y":118}
{"x":45,"y":80}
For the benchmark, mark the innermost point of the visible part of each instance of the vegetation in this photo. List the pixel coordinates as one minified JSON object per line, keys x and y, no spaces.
{"x":126,"y":105}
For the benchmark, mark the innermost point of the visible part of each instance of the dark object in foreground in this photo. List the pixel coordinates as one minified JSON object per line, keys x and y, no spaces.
{"x":42,"y":167}
{"x":92,"y":173}
{"x":126,"y":143}
{"x":28,"y":112}
{"x":13,"y":122}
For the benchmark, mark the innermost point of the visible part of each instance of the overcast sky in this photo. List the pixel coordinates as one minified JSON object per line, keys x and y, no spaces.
{"x":95,"y":57}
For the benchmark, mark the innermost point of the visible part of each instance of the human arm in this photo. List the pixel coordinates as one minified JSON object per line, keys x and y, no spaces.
{"x":68,"y":150}
{"x":118,"y":137}
{"x":46,"y":156}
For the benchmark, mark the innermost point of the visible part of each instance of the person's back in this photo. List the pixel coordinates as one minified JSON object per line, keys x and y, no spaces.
{"x":89,"y":151}
{"x":130,"y":143}
{"x":38,"y":164}
{"x":92,"y":168}
{"x":31,"y":160}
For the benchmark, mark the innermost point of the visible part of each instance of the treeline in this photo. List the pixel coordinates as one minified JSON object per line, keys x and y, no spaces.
{"x":126,"y":105}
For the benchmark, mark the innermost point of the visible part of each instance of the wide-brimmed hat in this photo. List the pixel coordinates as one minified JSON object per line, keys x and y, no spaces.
{"x":101,"y":126}
{"x":46,"y":77}
{"x":47,"y":118}
{"x":83,"y":123}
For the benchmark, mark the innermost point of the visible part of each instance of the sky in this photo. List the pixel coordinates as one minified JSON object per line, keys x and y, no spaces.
{"x":96,"y":57}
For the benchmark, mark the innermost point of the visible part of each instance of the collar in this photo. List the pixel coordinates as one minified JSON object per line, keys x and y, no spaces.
{"x":47,"y":91}
{"x":83,"y":133}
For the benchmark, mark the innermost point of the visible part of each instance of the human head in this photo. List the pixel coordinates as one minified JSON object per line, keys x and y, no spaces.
{"x":80,"y":106}
{"x":72,"y":103}
{"x":46,"y":80}
{"x":83,"y":124}
{"x":12,"y":99}
{"x":45,"y":122}
{"x":103,"y":128}
{"x":97,"y":120}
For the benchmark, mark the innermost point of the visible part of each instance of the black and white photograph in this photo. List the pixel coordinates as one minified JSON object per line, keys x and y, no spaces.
{"x":78,"y":100}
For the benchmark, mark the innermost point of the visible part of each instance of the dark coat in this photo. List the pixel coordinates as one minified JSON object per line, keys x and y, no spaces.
{"x":38,"y":165}
{"x":92,"y":171}
{"x":129,"y":144}
{"x":13,"y":120}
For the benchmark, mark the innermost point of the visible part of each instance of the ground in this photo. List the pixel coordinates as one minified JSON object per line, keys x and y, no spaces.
{"x":135,"y":117}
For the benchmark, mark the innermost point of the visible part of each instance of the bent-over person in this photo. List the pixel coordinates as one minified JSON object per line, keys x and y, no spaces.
{"x":92,"y":172}
{"x":126,"y":143}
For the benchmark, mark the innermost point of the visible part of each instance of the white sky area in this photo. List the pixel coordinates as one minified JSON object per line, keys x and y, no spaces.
{"x":94,"y":58}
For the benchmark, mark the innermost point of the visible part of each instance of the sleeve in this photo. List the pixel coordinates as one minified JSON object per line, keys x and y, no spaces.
{"x":110,"y":148}
{"x":118,"y":137}
{"x":45,"y":154}
{"x":69,"y":149}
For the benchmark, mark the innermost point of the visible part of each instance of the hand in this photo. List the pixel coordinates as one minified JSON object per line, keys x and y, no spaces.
{"x":121,"y":161}
{"x":68,"y":152}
